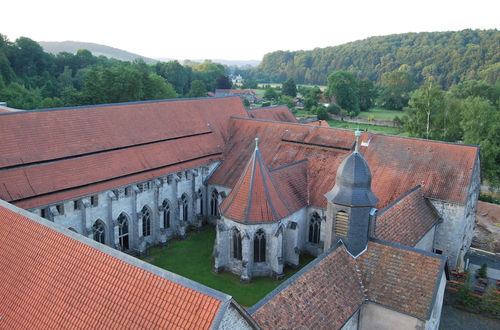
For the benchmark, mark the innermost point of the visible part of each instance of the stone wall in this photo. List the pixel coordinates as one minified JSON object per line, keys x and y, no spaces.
{"x":80,"y":214}
{"x":378,"y":317}
{"x":427,"y":242}
{"x":233,"y":319}
{"x":352,"y":323}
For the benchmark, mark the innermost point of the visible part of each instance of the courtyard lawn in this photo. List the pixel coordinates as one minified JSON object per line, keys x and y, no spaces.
{"x":192,"y":258}
{"x":371,"y":128}
{"x":381,"y":114}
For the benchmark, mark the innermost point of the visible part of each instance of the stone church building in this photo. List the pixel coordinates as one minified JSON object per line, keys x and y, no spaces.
{"x":138,"y":174}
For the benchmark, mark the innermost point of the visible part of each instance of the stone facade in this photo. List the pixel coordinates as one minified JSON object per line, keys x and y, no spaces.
{"x":133,"y":217}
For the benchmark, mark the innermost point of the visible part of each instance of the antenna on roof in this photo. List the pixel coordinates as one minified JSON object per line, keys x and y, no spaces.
{"x":357,"y":133}
{"x":256,"y":143}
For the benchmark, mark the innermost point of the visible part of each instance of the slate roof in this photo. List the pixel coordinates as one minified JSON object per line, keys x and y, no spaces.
{"x":255,"y":197}
{"x":327,"y":292}
{"x":276,"y":113}
{"x":397,"y":164}
{"x":51,"y":277}
{"x":64,"y":150}
{"x":407,"y":219}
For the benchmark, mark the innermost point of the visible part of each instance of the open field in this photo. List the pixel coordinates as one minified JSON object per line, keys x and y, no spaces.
{"x":192,"y":258}
{"x":371,"y":128}
{"x":381,"y":114}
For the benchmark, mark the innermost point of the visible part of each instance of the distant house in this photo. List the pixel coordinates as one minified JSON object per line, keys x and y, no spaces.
{"x":242,"y":93}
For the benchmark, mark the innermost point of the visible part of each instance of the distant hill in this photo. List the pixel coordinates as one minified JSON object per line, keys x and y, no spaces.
{"x":239,"y":63}
{"x":450,"y":57}
{"x":56,"y":47}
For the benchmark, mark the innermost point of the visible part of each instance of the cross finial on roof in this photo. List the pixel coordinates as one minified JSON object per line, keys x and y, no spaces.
{"x":357,"y":133}
{"x":256,"y":143}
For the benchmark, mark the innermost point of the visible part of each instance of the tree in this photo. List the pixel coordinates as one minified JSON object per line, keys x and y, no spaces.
{"x":288,"y":101}
{"x":223,"y":82}
{"x":395,"y":90}
{"x":322,"y":113}
{"x":198,"y":89}
{"x":176,"y":74}
{"x":344,"y":87}
{"x":426,"y":103}
{"x":289,"y":88}
{"x":270,"y":94}
{"x":367,"y":94}
{"x":481,"y":125}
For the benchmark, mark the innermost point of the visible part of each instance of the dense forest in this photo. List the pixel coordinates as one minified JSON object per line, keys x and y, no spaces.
{"x":449,"y":57}
{"x":31,"y":78}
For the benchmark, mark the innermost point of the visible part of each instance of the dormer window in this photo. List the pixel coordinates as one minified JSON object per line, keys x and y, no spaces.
{"x":341,"y":223}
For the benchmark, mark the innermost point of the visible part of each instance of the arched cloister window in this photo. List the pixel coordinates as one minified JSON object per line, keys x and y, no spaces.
{"x":236,"y":244}
{"x":314,"y":228}
{"x":146,"y":221}
{"x":214,"y":203}
{"x":185,"y":209}
{"x":99,"y":231}
{"x":259,"y":246}
{"x":341,"y":223}
{"x":200,"y":197}
{"x":123,"y":231}
{"x":166,"y":214}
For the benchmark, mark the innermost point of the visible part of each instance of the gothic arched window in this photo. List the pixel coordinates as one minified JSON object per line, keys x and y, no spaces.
{"x":166,"y":214}
{"x":146,"y":221}
{"x":98,"y":231}
{"x":214,"y":203}
{"x":184,"y":202}
{"x":314,"y":228}
{"x":341,"y":223}
{"x":259,"y":246}
{"x":236,"y":244}
{"x":123,"y":231}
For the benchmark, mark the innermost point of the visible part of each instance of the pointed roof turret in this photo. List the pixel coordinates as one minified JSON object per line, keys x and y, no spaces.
{"x":255,"y":198}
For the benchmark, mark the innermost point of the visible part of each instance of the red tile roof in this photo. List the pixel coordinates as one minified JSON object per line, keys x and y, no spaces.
{"x":408,"y":219}
{"x":278,"y":113}
{"x":291,"y":181}
{"x":324,"y":296}
{"x":323,"y":123}
{"x":401,"y":278}
{"x":327,"y":292}
{"x":62,"y":149}
{"x":255,"y":197}
{"x":53,"y":278}
{"x":397,"y":164}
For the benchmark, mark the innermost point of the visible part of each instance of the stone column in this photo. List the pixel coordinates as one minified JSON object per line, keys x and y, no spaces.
{"x":110,"y":232}
{"x":247,"y":257}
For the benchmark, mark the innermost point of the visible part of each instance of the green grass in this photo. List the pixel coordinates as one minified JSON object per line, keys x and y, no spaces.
{"x":192,"y":258}
{"x":371,"y":128}
{"x":381,"y":114}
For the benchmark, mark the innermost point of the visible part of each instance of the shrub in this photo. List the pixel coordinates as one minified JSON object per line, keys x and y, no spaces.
{"x":322,"y":113}
{"x":491,"y":302}
{"x":489,"y":199}
{"x":333,"y":108}
{"x":483,"y":271}
{"x":464,"y":294}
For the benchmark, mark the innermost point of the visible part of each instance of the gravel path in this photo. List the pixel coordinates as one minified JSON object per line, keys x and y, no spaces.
{"x":456,"y":319}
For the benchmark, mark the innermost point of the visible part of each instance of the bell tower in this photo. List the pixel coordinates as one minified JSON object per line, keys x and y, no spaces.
{"x":351,"y":204}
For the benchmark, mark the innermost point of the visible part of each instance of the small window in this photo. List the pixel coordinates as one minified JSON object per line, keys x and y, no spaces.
{"x":94,"y":200}
{"x":60,"y":209}
{"x":438,"y":251}
{"x":76,"y":205}
{"x":44,"y":212}
{"x":128,"y":191}
{"x":292,"y":225}
{"x":341,"y":223}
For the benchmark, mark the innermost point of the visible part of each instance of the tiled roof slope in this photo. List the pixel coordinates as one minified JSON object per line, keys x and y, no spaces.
{"x":323,"y":295}
{"x":278,"y":113}
{"x":397,"y":164}
{"x":327,"y":292}
{"x":291,"y":181}
{"x":53,"y":278}
{"x":401,"y":278}
{"x":42,"y":151}
{"x":255,"y":198}
{"x":407,"y":219}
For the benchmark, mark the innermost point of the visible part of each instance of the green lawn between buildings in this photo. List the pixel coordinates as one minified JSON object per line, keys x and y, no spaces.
{"x":381,"y":114}
{"x":371,"y":128}
{"x":192,"y":258}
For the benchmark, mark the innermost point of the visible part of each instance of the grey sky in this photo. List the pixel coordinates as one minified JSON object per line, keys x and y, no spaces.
{"x":234,"y":29}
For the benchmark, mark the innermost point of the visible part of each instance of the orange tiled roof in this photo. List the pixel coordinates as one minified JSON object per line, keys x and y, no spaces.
{"x":328,"y":291}
{"x":401,"y":278}
{"x":323,"y":295}
{"x":50,"y":151}
{"x":277,"y":113}
{"x":407,"y":219}
{"x":255,"y":197}
{"x":53,"y":278}
{"x":323,"y":123}
{"x":397,"y":163}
